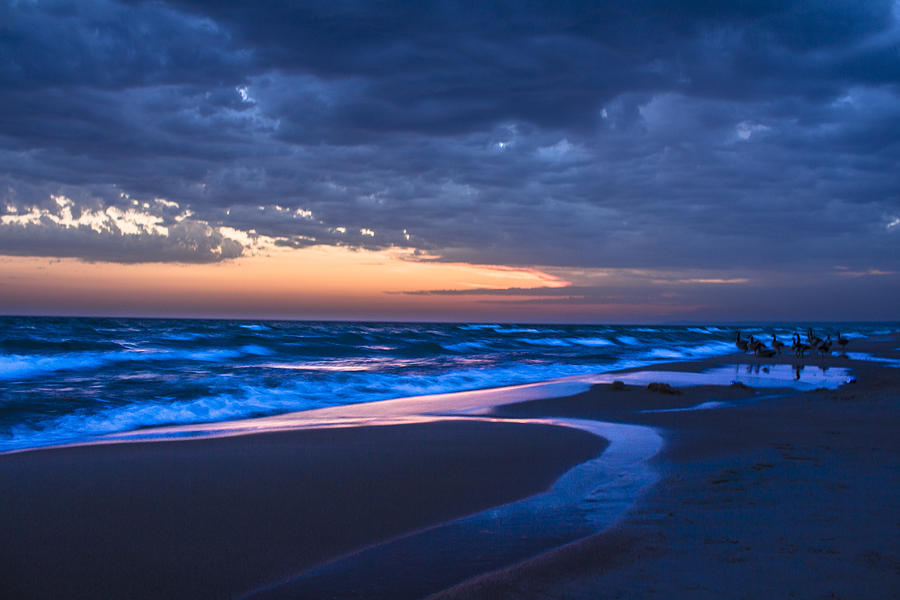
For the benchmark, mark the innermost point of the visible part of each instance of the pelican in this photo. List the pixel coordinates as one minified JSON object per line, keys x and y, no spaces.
{"x":743,"y":345}
{"x":779,"y":346}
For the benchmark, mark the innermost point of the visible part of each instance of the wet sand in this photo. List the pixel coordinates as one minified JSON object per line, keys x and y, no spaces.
{"x":774,"y":493}
{"x":777,"y":495}
{"x":215,"y":518}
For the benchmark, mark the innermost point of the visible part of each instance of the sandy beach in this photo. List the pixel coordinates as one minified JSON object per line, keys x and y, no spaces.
{"x":768,"y":492}
{"x":777,"y":495}
{"x":217,"y":518}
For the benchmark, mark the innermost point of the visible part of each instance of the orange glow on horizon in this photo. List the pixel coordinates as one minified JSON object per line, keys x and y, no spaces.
{"x":319,"y":282}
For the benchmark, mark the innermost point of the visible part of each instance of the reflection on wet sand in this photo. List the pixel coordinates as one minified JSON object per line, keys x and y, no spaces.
{"x":793,"y":376}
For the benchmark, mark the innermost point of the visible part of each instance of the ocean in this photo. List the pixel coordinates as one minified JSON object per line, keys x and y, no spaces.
{"x":65,"y":380}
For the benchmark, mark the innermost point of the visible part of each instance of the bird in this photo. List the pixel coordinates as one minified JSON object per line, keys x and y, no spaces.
{"x":760,"y":349}
{"x":798,"y":346}
{"x":743,"y":345}
{"x":765,"y":352}
{"x":824,"y":347}
{"x":779,"y":346}
{"x":754,"y":344}
{"x":812,"y":339}
{"x":842,"y":341}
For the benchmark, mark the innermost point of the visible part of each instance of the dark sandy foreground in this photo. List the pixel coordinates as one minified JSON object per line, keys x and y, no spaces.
{"x":794,"y":496}
{"x":216,"y":518}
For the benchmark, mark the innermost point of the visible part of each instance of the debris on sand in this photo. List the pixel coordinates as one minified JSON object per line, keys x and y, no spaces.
{"x":662,"y":388}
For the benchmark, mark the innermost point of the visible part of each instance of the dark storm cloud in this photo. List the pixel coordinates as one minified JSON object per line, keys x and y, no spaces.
{"x":711,"y":135}
{"x":105,"y":44}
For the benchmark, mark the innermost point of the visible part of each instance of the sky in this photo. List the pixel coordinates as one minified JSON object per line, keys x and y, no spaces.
{"x":649,"y":161}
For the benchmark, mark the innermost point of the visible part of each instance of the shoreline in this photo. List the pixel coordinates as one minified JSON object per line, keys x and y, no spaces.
{"x":418,"y":408}
{"x":771,"y":493}
{"x":694,"y":436}
{"x":216,"y":518}
{"x":585,"y":499}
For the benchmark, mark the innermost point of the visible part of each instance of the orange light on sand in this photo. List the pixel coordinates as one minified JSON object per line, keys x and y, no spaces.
{"x":319,"y":282}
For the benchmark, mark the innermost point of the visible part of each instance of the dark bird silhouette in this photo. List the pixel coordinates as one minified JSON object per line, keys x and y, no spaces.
{"x":798,"y":346}
{"x":812,"y":339}
{"x":743,"y":345}
{"x":760,"y":349}
{"x":779,"y":346}
{"x":842,"y":342}
{"x":754,"y":344}
{"x":765,"y":352}
{"x":824,"y":347}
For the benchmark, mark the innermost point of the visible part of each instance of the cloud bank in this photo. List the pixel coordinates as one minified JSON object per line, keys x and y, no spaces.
{"x":722,"y":137}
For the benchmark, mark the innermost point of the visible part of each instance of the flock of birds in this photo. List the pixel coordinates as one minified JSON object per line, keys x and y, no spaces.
{"x":813,"y":343}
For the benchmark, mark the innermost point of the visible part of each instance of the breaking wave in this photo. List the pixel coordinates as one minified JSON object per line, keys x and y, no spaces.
{"x":67,"y":380}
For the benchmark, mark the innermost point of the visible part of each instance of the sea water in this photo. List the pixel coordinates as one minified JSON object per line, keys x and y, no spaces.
{"x":71,"y":379}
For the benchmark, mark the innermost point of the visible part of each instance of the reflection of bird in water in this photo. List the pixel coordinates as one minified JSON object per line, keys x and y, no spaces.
{"x":842,"y":342}
{"x":779,"y":346}
{"x":797,"y":369}
{"x":743,"y":345}
{"x":824,"y":348}
{"x":798,"y":346}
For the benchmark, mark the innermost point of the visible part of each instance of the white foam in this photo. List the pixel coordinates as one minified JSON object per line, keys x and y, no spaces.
{"x":465,"y":346}
{"x":664,"y":353}
{"x":710,"y":349}
{"x":257,"y":350}
{"x":23,"y":366}
{"x":890,"y":362}
{"x":17,"y":366}
{"x":593,"y":341}
{"x":702,"y":406}
{"x":547,"y":341}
